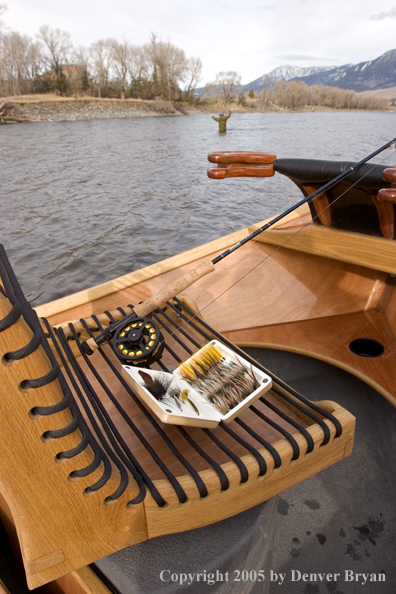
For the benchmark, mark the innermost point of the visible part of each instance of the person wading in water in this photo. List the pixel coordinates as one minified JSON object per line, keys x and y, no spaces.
{"x":222,"y":119}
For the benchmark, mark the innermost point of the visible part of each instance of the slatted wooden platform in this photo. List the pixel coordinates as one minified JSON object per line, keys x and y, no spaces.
{"x":99,"y":472}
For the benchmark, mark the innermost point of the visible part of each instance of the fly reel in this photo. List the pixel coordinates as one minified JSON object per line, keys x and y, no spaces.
{"x":138,"y":342}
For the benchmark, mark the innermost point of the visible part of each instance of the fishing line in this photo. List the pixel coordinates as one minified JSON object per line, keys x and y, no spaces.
{"x":140,"y":342}
{"x":375,"y":165}
{"x":296,"y":233}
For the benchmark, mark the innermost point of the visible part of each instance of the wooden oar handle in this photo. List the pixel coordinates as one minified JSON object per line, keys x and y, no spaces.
{"x":241,"y":164}
{"x":170,"y":291}
{"x":388,"y":194}
{"x":224,"y":157}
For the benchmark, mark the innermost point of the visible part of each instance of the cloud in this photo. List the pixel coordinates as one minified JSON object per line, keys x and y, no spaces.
{"x":390,"y":14}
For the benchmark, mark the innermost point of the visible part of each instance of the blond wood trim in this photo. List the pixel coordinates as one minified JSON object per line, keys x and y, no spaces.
{"x":219,"y":505}
{"x":372,"y":252}
{"x":44,"y":562}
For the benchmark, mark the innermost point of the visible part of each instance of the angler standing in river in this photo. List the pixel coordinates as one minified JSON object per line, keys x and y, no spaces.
{"x":222,"y":119}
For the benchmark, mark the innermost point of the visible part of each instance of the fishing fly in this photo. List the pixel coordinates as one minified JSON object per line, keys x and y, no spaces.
{"x":224,"y":384}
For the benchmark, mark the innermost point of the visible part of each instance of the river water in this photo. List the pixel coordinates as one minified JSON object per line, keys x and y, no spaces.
{"x":84,"y":202}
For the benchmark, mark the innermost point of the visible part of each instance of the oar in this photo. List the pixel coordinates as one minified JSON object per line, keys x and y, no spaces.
{"x":207,"y":265}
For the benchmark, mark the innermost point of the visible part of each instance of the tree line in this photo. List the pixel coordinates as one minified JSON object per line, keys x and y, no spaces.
{"x":158,"y":69}
{"x":296,"y":95}
{"x":290,"y":95}
{"x":107,"y":68}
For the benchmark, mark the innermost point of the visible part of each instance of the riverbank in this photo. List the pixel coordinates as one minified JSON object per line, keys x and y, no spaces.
{"x":57,"y":109}
{"x":52,"y":108}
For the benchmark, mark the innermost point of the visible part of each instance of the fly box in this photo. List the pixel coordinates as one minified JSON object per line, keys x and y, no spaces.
{"x":213,"y":385}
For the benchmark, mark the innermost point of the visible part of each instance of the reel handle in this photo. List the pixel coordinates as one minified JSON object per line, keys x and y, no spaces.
{"x":143,"y":309}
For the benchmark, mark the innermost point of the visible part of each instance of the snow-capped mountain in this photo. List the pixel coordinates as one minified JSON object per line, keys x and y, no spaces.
{"x":374,"y":74}
{"x":285,"y":73}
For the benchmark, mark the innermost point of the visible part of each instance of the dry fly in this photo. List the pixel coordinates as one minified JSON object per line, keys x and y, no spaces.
{"x":225,"y":384}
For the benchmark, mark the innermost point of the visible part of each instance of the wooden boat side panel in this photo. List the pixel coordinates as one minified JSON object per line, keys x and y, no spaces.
{"x":286,"y":286}
{"x":328,"y":339}
{"x":229,"y":298}
{"x":372,"y":252}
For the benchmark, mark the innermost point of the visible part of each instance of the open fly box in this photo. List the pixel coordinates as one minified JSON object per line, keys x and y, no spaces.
{"x":213,"y":385}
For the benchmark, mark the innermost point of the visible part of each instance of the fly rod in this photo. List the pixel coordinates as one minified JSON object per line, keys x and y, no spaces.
{"x":185,"y":281}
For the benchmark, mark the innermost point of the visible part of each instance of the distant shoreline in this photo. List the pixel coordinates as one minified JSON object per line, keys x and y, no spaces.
{"x":25,"y":110}
{"x":29,"y":109}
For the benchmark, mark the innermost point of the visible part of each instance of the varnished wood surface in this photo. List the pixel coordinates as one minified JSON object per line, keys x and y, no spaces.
{"x":241,"y":170}
{"x":321,"y":204}
{"x":329,"y":340}
{"x":372,"y":252}
{"x":226,"y":157}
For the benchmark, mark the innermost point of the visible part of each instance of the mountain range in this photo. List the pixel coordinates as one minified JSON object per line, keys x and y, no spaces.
{"x":365,"y":76}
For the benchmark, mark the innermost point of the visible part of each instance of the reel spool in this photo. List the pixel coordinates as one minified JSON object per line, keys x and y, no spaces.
{"x":138,"y":342}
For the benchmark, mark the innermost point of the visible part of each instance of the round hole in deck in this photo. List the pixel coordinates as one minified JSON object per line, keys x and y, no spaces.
{"x":366,"y":347}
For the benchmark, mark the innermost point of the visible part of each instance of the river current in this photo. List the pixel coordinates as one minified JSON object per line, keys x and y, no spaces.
{"x":84,"y":202}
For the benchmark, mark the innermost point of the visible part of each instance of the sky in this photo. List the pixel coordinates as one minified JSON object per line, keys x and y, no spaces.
{"x":251,"y":37}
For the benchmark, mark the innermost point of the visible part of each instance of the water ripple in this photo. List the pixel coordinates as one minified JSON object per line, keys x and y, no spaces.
{"x":84,"y":202}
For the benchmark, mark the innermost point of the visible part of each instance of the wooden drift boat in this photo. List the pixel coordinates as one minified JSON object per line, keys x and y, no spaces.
{"x":100,"y":471}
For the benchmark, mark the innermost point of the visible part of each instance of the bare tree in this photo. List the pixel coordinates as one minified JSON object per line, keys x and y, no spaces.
{"x":193,"y":76}
{"x":168,"y":66}
{"x":140,"y":83}
{"x":21,"y":62}
{"x":78,"y":72}
{"x":57,"y":46}
{"x":228,"y":83}
{"x":264,"y":96}
{"x":102,"y":58}
{"x":121,"y":57}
